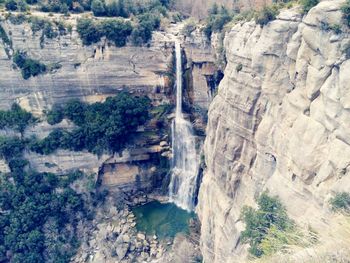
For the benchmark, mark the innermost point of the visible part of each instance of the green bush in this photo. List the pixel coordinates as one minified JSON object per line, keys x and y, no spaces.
{"x":16,"y":118}
{"x":116,"y":30}
{"x":89,"y":31}
{"x":11,"y":5}
{"x":29,"y":67}
{"x":38,"y":222}
{"x":188,"y":28}
{"x":55,"y":115}
{"x":11,"y":148}
{"x":239,"y":67}
{"x":142,"y":33}
{"x":97,"y":7}
{"x":308,"y":4}
{"x":341,"y":202}
{"x":271,"y":214}
{"x":64,"y":6}
{"x":267,"y":14}
{"x":4,"y":37}
{"x":346,"y":12}
{"x":216,"y":20}
{"x":101,"y":126}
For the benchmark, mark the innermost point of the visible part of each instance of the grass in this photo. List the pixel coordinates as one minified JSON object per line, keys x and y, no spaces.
{"x":332,"y":245}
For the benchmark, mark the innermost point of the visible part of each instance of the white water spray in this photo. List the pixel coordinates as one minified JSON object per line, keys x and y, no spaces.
{"x":185,"y":163}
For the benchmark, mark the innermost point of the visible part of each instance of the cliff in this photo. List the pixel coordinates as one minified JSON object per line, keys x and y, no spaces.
{"x":280,"y":121}
{"x":93,"y":73}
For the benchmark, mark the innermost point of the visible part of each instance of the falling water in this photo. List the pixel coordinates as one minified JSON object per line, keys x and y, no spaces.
{"x":182,"y":186}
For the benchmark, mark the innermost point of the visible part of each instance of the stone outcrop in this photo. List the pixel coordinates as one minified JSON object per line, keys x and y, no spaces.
{"x":280,"y":121}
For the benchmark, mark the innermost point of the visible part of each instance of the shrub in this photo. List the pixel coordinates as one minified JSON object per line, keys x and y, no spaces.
{"x":88,"y":31}
{"x":271,"y":215}
{"x":55,"y":116}
{"x":117,"y":8}
{"x":267,"y":14}
{"x":4,"y":37}
{"x":239,"y":67}
{"x":29,"y":67}
{"x":16,"y":118}
{"x":216,"y":20}
{"x":38,"y":221}
{"x":117,"y":30}
{"x":11,"y":5}
{"x":336,"y":28}
{"x":308,"y":4}
{"x":346,"y":12}
{"x":341,"y":202}
{"x":188,"y":28}
{"x":101,"y":126}
{"x":97,"y":7}
{"x":11,"y":148}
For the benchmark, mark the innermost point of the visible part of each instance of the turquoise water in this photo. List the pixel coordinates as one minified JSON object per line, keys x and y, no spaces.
{"x":164,"y":220}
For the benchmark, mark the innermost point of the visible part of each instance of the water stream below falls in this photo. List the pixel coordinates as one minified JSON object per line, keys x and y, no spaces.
{"x":185,"y":163}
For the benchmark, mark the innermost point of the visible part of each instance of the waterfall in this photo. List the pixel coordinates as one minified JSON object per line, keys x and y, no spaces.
{"x":185,"y":162}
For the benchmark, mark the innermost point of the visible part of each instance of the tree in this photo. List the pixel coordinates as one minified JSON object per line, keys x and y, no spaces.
{"x":270,"y":214}
{"x":11,"y":5}
{"x":88,"y":31}
{"x":346,"y":12}
{"x":308,"y":4}
{"x":117,"y":30}
{"x":97,"y":7}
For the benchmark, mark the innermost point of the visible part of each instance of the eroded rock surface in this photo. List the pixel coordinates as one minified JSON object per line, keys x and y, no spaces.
{"x":280,"y":121}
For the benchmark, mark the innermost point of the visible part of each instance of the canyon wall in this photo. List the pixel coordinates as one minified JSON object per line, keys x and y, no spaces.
{"x":92,"y":73}
{"x":280,"y":122}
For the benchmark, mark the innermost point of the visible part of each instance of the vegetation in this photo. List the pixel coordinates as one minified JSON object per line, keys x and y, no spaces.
{"x":101,"y":126}
{"x":16,"y":118}
{"x":346,"y":12}
{"x":189,"y":27}
{"x":113,"y":8}
{"x":16,"y":5}
{"x":147,"y":23}
{"x":269,"y":220}
{"x":267,"y":14}
{"x":29,"y":67}
{"x":38,"y":223}
{"x":55,"y":115}
{"x":239,"y":67}
{"x":216,"y":20}
{"x":4,"y":37}
{"x":116,"y":30}
{"x":11,"y":148}
{"x":308,"y":4}
{"x":341,"y":202}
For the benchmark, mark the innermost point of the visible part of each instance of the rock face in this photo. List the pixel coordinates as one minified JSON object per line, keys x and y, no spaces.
{"x":280,"y":121}
{"x":89,"y":73}
{"x":92,"y":73}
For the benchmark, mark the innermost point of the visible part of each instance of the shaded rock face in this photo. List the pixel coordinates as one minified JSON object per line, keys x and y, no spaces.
{"x":280,"y":121}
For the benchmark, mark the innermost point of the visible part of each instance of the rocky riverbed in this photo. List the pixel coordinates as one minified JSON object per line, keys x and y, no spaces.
{"x":113,"y":237}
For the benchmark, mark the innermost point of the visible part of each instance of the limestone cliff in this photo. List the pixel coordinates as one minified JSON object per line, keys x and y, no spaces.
{"x":280,"y":121}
